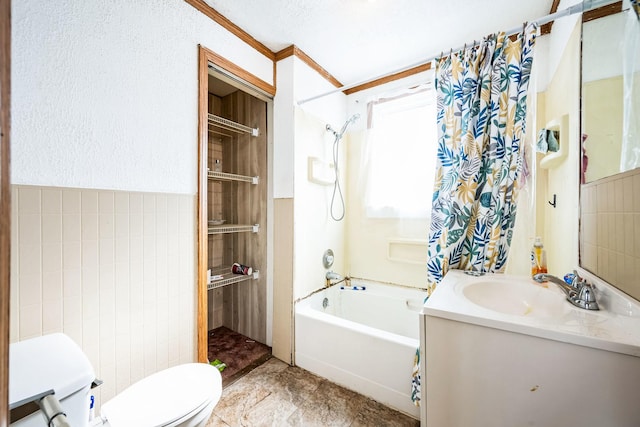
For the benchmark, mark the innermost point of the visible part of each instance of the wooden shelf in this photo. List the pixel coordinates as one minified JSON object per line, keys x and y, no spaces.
{"x":229,"y":278}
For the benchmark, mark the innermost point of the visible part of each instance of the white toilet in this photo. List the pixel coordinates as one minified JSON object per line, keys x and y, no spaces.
{"x":181,"y":396}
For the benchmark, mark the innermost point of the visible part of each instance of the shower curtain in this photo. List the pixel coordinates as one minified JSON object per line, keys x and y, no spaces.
{"x":481,"y":93}
{"x":482,"y":103}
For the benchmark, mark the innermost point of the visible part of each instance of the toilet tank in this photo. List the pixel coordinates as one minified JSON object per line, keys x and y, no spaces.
{"x":50,"y":362}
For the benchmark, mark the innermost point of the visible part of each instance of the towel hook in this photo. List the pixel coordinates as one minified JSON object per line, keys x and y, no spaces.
{"x":554,"y":201}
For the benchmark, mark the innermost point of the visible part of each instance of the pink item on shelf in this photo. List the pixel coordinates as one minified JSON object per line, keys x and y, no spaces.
{"x":241,"y":269}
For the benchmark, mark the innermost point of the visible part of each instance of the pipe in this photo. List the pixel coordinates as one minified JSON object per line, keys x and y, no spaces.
{"x":53,"y":412}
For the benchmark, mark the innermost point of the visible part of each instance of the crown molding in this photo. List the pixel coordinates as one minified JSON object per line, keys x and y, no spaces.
{"x":390,"y":78}
{"x":293,"y":50}
{"x":217,"y":17}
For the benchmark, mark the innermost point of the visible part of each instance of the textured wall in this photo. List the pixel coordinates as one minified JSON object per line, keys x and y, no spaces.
{"x":113,"y":270}
{"x":105,"y":92}
{"x":105,"y":97}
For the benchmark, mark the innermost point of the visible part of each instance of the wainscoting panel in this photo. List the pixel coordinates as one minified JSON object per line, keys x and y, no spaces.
{"x":114,"y":270}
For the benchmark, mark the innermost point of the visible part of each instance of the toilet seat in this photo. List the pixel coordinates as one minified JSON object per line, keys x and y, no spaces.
{"x":165,"y":398}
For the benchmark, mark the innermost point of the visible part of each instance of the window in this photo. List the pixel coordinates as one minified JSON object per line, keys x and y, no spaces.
{"x":402,"y":156}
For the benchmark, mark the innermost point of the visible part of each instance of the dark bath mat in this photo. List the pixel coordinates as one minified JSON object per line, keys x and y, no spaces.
{"x":240,"y":353}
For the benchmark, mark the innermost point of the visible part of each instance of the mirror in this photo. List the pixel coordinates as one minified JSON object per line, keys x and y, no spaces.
{"x":610,"y":169}
{"x":610,"y":99}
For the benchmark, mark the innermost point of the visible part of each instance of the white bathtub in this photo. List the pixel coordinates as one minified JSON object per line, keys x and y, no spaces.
{"x":364,"y":340}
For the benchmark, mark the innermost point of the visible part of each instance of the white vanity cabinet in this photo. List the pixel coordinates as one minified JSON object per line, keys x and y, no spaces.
{"x":565,"y":368}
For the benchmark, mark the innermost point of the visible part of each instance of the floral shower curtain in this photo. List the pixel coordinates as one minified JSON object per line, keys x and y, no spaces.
{"x":481,"y":94}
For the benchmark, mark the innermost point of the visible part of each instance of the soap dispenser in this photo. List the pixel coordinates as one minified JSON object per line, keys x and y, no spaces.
{"x":538,"y":257}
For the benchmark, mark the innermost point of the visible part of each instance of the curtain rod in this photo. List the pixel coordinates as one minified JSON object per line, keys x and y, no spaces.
{"x":583,"y":6}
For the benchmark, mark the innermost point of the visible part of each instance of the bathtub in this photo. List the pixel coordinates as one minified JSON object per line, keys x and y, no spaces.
{"x":364,"y":340}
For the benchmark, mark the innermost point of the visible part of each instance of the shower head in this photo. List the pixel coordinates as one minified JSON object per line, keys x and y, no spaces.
{"x":350,"y":120}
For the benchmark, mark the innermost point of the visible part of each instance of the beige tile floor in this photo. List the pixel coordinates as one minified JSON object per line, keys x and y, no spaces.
{"x":276,"y":394}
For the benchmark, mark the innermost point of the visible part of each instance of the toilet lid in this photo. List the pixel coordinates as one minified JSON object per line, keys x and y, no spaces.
{"x":165,"y":396}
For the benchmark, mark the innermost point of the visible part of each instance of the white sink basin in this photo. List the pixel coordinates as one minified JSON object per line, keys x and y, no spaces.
{"x":518,"y":304}
{"x":516,"y":298}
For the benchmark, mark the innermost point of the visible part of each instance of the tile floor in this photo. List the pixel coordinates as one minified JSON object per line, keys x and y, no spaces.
{"x":276,"y":394}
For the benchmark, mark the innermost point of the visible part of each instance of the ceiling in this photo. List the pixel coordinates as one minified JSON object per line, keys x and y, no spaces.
{"x":358,"y":40}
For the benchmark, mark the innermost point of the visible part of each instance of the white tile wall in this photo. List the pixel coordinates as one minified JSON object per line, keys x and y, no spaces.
{"x":116,"y":271}
{"x":610,"y":230}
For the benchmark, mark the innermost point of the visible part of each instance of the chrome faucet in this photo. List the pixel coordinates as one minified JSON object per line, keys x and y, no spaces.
{"x":579,"y":292}
{"x":338,"y":279}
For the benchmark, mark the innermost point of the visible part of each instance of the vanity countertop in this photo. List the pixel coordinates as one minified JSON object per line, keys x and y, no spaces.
{"x":521,"y":305}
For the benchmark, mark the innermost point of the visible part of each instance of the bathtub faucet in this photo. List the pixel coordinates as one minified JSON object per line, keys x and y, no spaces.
{"x":338,"y":279}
